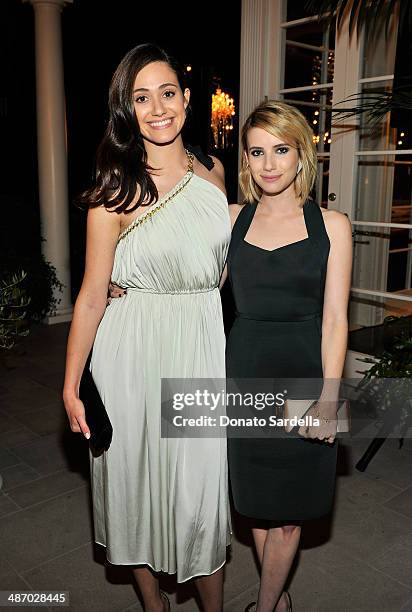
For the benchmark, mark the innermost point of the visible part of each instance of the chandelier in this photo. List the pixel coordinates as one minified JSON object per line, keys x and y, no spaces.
{"x":223,"y":111}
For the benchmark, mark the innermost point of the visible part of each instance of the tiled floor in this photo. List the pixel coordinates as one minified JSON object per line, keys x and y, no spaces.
{"x":360,"y":560}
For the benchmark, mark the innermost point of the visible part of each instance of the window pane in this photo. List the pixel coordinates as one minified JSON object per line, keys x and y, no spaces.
{"x":384,"y":188}
{"x":382,"y":262}
{"x":373,"y":135}
{"x":313,"y":105}
{"x":382,"y":256}
{"x":314,"y":33}
{"x":311,"y":67}
{"x":365,"y":311}
{"x":302,"y":67}
{"x":369,"y":272}
{"x":393,"y":131}
{"x":296,"y":9}
{"x":379,"y":55}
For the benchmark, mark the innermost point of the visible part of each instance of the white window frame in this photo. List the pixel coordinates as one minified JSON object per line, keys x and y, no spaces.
{"x":263,"y":42}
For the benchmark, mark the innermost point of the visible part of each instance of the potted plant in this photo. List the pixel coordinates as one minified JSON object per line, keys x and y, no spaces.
{"x":386,"y":385}
{"x":13,"y":309}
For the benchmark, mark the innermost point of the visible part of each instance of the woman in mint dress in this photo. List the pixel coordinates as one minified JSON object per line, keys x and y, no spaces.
{"x":158,"y":225}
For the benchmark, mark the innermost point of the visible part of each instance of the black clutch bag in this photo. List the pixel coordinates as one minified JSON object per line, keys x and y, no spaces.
{"x":101,"y":430}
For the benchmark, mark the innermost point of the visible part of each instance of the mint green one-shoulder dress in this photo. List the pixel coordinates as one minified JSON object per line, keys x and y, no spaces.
{"x":158,"y":501}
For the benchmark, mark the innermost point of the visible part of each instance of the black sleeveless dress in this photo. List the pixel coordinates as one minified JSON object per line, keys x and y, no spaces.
{"x":277,"y":333}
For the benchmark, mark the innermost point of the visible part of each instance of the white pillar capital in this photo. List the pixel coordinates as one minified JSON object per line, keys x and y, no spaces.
{"x":58,"y":4}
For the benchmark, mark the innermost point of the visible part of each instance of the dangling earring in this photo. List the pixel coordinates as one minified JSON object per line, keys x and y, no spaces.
{"x":300,"y":166}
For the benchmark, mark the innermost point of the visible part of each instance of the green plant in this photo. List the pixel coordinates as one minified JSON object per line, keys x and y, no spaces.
{"x":371,"y":17}
{"x":40,"y":283}
{"x":22,"y":250}
{"x":375,"y":104}
{"x":396,"y":363}
{"x":391,"y":399}
{"x":13,"y":305}
{"x":368,"y":15}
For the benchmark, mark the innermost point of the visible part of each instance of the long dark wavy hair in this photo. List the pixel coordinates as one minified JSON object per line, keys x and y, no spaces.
{"x":121,"y":159}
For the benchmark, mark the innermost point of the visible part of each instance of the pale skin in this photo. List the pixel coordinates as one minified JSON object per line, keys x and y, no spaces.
{"x":160,"y":112}
{"x":279,"y":221}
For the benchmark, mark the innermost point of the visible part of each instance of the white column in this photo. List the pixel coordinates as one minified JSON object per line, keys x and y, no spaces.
{"x":343,"y":162}
{"x":261,"y":49}
{"x":52,"y":147}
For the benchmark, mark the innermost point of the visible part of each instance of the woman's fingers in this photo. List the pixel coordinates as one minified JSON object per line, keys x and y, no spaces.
{"x":78,"y":425}
{"x":77,"y":419}
{"x":74,"y":426}
{"x":303,"y":431}
{"x":115,"y":291}
{"x":326,"y":432}
{"x":83,"y":426}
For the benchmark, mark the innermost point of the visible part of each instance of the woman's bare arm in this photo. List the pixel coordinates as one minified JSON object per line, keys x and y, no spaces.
{"x":102,"y":234}
{"x":234,"y":210}
{"x":334,"y":325}
{"x":336,"y":298}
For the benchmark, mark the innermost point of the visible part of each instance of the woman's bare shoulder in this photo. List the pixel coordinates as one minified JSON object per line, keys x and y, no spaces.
{"x":218,"y":167}
{"x":234,"y":210}
{"x":336,"y":223}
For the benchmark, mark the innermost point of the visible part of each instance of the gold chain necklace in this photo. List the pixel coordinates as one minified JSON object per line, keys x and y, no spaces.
{"x":163,"y":201}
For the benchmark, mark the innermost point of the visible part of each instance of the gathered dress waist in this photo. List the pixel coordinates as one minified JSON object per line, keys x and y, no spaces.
{"x":161,"y":292}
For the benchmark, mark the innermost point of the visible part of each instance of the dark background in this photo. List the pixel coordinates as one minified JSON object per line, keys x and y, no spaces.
{"x":96,"y":35}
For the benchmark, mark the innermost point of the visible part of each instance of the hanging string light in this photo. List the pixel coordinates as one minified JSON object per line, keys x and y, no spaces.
{"x":223,"y":111}
{"x":317,"y":93}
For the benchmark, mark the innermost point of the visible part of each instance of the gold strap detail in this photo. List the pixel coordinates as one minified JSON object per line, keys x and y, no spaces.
{"x":190,"y":158}
{"x":162,"y":202}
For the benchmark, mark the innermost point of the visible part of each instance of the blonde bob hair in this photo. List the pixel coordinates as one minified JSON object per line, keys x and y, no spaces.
{"x":288,"y":124}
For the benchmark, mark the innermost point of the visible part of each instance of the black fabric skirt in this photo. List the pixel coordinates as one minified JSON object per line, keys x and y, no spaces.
{"x":278,"y":478}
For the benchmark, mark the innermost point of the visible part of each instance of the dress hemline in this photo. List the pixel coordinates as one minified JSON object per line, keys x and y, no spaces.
{"x":208,"y":573}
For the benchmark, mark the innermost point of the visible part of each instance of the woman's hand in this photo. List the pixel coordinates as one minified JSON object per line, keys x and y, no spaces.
{"x":75,"y":412}
{"x":115,"y":291}
{"x":326,"y":413}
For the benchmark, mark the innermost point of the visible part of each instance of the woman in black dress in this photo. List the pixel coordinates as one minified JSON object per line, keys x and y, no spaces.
{"x":289,"y":265}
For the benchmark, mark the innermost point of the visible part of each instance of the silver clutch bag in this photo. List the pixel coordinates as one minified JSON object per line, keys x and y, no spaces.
{"x":298,"y":408}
